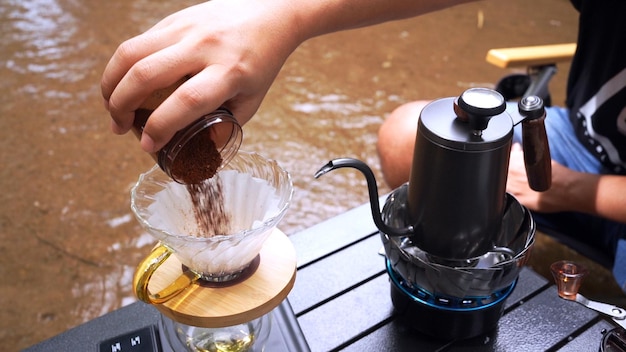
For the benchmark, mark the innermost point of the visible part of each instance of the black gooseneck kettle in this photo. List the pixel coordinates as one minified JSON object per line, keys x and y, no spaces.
{"x":457,"y":187}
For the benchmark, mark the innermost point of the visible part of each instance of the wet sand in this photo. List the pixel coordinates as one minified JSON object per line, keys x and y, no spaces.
{"x":69,"y":240}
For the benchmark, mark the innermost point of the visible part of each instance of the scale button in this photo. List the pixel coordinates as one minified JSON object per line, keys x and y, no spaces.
{"x":142,"y":340}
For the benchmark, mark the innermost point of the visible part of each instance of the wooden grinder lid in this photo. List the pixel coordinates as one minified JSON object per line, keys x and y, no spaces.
{"x":241,"y":302}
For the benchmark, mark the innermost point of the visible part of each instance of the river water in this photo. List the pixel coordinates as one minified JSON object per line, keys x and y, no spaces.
{"x":68,"y":238}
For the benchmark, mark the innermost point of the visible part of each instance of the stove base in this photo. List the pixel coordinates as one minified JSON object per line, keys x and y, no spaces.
{"x":446,"y":318}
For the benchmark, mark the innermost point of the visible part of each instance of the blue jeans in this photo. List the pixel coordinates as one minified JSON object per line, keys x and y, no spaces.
{"x":606,"y":236}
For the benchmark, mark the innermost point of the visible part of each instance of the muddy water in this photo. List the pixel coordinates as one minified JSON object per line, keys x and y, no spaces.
{"x":68,"y":239}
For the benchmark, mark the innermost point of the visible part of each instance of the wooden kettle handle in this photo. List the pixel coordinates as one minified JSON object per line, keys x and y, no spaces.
{"x":537,"y":153}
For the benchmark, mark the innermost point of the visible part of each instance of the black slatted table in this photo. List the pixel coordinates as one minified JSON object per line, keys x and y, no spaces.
{"x":341,"y":301}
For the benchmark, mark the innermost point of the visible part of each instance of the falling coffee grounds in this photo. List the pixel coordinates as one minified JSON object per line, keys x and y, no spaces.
{"x":195,"y":166}
{"x":208,"y":206}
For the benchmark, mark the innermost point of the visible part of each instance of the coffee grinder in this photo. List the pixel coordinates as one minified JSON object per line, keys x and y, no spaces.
{"x":454,"y":239}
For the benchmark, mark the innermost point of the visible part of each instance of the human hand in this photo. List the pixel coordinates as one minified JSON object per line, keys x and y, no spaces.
{"x":552,"y":200}
{"x":233,"y":49}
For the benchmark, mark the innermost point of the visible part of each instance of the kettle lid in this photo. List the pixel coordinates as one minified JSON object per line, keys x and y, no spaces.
{"x":465,"y":125}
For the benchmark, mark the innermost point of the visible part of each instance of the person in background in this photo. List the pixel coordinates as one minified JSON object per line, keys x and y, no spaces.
{"x":234,"y":49}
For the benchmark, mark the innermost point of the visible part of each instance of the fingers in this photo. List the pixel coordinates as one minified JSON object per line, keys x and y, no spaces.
{"x":139,"y":66}
{"x":127,"y":55}
{"x":226,"y":68}
{"x":158,"y":70}
{"x":198,"y":96}
{"x":161,"y":36}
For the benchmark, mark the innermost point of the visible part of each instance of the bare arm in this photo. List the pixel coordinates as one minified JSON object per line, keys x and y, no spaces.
{"x":601,"y":195}
{"x":233,"y":49}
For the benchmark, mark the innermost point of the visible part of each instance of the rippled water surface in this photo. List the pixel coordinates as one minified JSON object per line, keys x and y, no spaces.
{"x":68,"y":239}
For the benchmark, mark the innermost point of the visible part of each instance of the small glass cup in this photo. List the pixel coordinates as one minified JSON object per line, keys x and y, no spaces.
{"x":568,"y":276}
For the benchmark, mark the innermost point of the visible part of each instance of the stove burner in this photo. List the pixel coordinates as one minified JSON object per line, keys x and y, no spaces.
{"x":448,"y":302}
{"x":445,"y":317}
{"x":451,"y":282}
{"x":454,"y":299}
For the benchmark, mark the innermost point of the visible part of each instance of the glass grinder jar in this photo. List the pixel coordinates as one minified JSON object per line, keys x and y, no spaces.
{"x":196,"y":152}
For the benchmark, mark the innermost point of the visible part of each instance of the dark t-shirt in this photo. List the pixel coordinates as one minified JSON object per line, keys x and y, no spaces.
{"x":596,"y":91}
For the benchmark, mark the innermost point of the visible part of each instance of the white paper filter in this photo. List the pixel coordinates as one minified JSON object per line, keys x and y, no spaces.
{"x":249,"y":201}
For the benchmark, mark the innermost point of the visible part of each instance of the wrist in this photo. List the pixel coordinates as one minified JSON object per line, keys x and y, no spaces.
{"x":581,"y":191}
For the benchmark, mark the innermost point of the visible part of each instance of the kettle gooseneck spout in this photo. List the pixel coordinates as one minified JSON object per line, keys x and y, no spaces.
{"x":372,"y":190}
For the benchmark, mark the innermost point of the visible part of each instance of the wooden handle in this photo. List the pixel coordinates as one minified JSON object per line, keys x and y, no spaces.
{"x":531,"y":55}
{"x":537,"y":154}
{"x":233,"y":303}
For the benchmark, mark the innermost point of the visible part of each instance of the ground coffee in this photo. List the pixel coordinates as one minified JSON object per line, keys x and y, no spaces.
{"x":208,"y":206}
{"x":197,"y":161}
{"x":196,"y":164}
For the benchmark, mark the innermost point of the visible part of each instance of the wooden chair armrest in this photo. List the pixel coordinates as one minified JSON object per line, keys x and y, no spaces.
{"x":529,"y":56}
